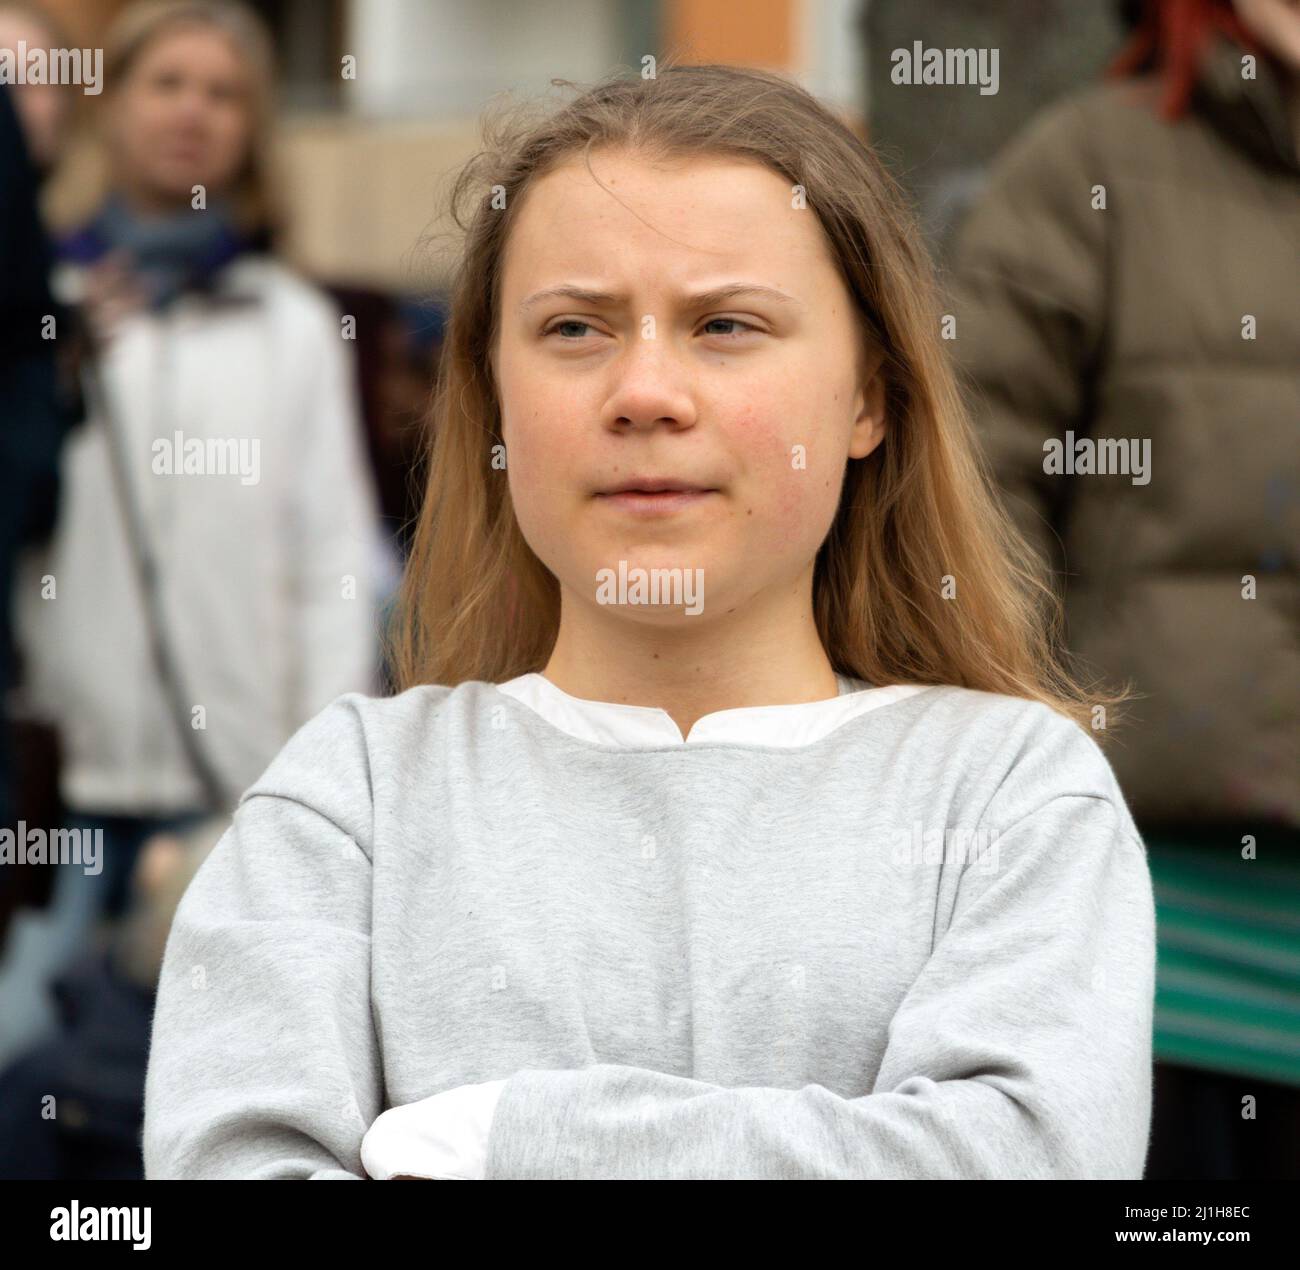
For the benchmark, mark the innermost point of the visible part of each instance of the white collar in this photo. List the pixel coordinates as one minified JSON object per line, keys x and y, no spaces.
{"x":786,"y":726}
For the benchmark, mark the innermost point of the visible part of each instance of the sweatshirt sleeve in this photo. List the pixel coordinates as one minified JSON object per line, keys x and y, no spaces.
{"x":1029,"y":294}
{"x":1022,"y":1050}
{"x":263,"y":1061}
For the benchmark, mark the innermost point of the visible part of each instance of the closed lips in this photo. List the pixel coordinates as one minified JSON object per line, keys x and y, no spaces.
{"x":658,"y":487}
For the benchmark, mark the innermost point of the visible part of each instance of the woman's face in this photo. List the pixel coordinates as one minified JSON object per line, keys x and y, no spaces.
{"x":181,"y":117}
{"x":42,"y":108}
{"x":757,"y":397}
{"x":1276,"y":25}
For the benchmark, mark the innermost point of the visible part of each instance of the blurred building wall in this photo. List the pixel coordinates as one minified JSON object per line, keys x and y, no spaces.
{"x":363,"y":198}
{"x":447,"y":58}
{"x":365,"y":160}
{"x":365,"y":183}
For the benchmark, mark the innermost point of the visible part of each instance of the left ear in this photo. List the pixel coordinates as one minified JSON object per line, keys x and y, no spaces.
{"x":869,"y":426}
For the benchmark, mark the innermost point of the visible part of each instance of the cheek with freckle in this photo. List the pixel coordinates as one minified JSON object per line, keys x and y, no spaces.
{"x":795,"y":502}
{"x":537,"y":447}
{"x":775,"y":512}
{"x":800,"y":512}
{"x":779,"y":469}
{"x":547,"y":460}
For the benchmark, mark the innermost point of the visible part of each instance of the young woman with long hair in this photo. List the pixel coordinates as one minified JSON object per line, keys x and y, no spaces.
{"x":219,"y":478}
{"x":735,"y":816}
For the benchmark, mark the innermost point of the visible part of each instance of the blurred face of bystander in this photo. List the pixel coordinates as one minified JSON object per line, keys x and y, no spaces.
{"x":42,"y":108}
{"x":181,"y":119}
{"x":1276,"y":25}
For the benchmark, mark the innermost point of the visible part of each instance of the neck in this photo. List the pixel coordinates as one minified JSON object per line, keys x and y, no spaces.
{"x":766,"y":652}
{"x":146,"y":203}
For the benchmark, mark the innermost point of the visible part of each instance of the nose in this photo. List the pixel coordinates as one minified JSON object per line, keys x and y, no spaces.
{"x":192,"y":104}
{"x":652,"y":387}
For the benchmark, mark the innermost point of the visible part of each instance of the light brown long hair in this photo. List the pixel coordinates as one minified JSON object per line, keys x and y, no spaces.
{"x":85,"y":177}
{"x":917,"y":513}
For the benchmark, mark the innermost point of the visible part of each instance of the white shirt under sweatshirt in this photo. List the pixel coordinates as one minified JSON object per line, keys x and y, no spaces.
{"x":907,"y":932}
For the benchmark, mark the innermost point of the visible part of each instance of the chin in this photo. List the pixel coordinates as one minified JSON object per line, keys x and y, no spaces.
{"x":661,"y":586}
{"x":177,"y":189}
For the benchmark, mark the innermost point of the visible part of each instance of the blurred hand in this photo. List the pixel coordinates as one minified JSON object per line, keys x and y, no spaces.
{"x":159,"y":858}
{"x":112,"y":293}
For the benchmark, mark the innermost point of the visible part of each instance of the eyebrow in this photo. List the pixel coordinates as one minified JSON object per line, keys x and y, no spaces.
{"x":699,"y":300}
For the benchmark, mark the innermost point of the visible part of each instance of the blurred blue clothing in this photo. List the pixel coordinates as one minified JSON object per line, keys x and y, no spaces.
{"x":170,"y":253}
{"x":44,"y":943}
{"x":72,"y":1107}
{"x":33,"y":421}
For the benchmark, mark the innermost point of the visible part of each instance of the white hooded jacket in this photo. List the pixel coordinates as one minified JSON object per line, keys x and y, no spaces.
{"x":244,"y":450}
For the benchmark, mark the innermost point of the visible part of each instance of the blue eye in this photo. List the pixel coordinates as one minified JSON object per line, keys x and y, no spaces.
{"x":733,"y":322}
{"x":566,"y":322}
{"x":556,"y":327}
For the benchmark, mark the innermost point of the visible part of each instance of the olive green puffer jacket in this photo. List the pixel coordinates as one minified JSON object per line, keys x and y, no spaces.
{"x":1127,"y":279}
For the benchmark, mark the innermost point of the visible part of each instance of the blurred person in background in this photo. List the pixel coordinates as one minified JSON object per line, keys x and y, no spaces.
{"x":1130,"y":273}
{"x":35,"y":412}
{"x":93,"y":1067}
{"x":204,"y":347}
{"x":395,"y":367}
{"x":44,"y":110}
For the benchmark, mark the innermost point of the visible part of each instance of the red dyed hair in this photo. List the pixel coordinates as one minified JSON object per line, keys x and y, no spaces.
{"x":1171,"y":38}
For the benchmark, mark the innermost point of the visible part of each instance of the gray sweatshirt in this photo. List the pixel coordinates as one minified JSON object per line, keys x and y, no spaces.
{"x":920,"y":945}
